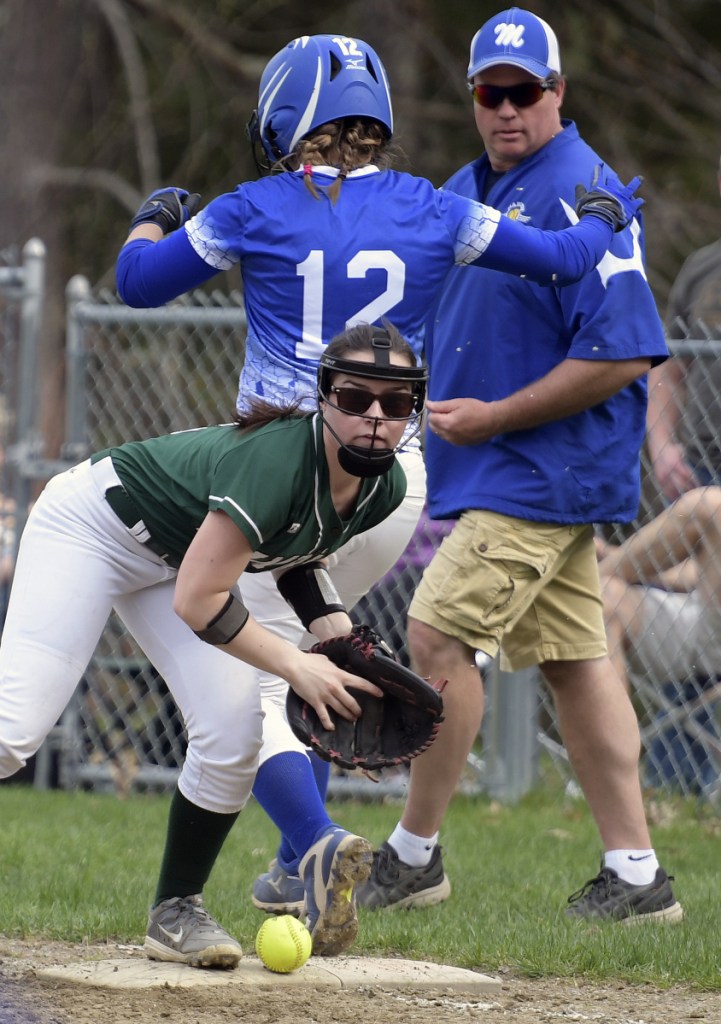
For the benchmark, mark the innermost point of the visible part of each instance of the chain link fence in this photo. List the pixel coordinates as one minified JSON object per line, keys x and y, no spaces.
{"x":8,"y":373}
{"x":22,"y":284}
{"x":135,"y":373}
{"x":9,"y":331}
{"x":680,"y":714}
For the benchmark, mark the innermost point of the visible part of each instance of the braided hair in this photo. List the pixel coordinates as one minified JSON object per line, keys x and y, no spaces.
{"x":347,"y":144}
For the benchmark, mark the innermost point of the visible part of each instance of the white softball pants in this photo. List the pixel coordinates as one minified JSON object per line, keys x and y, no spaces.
{"x":76,"y":563}
{"x":354,"y":569}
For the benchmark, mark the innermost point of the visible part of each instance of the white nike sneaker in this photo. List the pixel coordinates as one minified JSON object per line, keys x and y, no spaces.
{"x":181,"y":930}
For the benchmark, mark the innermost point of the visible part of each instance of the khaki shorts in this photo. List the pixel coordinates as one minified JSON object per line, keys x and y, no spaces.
{"x":530,"y":589}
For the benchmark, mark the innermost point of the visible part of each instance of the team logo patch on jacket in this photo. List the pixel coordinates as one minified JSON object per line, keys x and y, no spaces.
{"x":515,"y":212}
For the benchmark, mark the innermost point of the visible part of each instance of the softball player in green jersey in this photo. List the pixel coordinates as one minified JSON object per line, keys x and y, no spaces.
{"x":161,"y":530}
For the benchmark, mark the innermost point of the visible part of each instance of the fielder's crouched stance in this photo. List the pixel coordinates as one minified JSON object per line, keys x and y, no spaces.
{"x":161,"y":530}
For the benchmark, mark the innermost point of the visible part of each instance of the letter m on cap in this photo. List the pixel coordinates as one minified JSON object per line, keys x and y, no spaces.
{"x":509,"y":35}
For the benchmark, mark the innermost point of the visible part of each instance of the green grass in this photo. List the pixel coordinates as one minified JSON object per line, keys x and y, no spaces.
{"x":79,"y":866}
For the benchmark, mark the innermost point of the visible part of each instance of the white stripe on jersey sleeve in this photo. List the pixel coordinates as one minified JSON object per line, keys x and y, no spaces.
{"x":229,"y":501}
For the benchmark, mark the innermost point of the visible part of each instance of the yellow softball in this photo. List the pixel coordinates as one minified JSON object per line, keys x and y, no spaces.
{"x":283,"y":944}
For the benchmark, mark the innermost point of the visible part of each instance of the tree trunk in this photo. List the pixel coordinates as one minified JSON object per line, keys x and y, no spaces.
{"x":41,"y":60}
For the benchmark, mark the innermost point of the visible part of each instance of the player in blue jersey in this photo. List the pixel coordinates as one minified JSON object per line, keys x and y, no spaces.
{"x":336,"y":238}
{"x":529,"y":455}
{"x":161,"y":530}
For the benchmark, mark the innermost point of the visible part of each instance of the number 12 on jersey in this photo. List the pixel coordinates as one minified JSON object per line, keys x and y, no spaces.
{"x":312,"y":270}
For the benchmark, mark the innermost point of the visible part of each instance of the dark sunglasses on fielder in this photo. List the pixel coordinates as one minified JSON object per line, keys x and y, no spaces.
{"x":525,"y":94}
{"x":395,"y":405}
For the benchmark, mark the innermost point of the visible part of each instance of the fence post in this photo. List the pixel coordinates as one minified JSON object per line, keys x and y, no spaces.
{"x":31,"y":310}
{"x":75,"y":447}
{"x":510,"y":730}
{"x":28,"y":443}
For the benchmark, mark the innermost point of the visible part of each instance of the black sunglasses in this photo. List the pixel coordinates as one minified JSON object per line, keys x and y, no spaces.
{"x":395,"y":405}
{"x":523,"y":95}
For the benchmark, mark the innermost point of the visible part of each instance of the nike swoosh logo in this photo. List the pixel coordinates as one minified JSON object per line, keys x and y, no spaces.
{"x":173,"y":936}
{"x":645,"y":856}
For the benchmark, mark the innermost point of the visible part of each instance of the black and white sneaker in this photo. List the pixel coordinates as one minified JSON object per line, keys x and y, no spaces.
{"x":607,"y":896}
{"x":394,"y":884}
{"x":181,"y":930}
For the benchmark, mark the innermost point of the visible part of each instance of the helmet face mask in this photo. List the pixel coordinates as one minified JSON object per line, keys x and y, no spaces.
{"x":312,"y":81}
{"x":369,"y":462}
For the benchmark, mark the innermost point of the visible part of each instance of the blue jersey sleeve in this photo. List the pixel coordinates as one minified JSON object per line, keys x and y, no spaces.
{"x":152,"y":273}
{"x":547,"y":257}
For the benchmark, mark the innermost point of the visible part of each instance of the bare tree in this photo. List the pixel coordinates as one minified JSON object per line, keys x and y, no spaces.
{"x":104,"y":100}
{"x":40,"y":98}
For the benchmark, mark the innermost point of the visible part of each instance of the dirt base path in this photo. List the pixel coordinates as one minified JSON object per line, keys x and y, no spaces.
{"x":27,"y":999}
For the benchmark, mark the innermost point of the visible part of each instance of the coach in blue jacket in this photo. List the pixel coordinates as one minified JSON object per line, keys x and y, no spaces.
{"x":536,"y":424}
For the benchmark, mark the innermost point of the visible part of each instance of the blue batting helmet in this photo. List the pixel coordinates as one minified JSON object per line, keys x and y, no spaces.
{"x":314,"y":80}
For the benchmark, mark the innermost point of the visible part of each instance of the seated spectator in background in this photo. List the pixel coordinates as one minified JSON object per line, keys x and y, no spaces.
{"x":662,"y":606}
{"x":684,"y":410}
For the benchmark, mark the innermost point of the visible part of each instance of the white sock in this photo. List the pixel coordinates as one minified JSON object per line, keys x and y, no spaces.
{"x":413,"y":850}
{"x":635,"y":866}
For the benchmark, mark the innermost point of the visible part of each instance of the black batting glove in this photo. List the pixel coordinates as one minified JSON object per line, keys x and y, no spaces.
{"x":169,"y":208}
{"x":612,"y":201}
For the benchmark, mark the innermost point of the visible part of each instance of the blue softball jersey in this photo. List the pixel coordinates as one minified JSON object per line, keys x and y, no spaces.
{"x":311,"y":267}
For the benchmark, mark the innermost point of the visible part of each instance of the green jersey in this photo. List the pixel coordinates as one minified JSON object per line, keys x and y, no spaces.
{"x":273,"y":483}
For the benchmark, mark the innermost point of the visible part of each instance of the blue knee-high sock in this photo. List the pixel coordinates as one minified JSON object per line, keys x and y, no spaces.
{"x":321,"y":770}
{"x":286,"y":855}
{"x":287,"y":790}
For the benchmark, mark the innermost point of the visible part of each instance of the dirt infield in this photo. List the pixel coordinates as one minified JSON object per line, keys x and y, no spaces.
{"x":27,"y":999}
